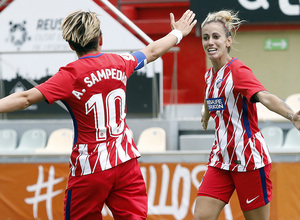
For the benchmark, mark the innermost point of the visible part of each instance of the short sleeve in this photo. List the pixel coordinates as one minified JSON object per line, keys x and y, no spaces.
{"x":58,"y":87}
{"x":245,"y":82}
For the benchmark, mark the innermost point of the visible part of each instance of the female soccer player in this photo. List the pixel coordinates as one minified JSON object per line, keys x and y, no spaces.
{"x":240,"y":158}
{"x":103,"y":163}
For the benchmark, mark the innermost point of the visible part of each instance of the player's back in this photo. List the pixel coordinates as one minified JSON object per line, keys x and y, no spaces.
{"x":98,"y":100}
{"x":98,"y":108}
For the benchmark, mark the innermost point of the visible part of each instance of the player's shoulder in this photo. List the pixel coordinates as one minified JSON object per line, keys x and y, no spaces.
{"x":237,"y":65}
{"x":73,"y":68}
{"x":125,"y":57}
{"x":128,"y":57}
{"x":208,"y":72}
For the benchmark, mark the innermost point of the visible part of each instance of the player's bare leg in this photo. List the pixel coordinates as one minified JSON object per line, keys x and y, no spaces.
{"x":208,"y":208}
{"x":261,"y":213}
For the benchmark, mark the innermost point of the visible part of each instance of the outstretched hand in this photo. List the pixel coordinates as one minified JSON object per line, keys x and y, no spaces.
{"x":204,"y":117}
{"x":296,"y":120}
{"x":204,"y":123}
{"x":185,"y":24}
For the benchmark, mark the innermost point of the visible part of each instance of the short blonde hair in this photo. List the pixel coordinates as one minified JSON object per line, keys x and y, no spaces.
{"x":228,"y":18}
{"x":81,"y":27}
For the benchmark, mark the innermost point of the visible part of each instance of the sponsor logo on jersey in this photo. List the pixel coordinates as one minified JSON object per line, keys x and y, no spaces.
{"x":216,"y":104}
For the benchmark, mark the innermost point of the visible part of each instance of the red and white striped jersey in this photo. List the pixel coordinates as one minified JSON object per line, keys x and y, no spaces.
{"x":239,"y":145}
{"x":94,"y":90}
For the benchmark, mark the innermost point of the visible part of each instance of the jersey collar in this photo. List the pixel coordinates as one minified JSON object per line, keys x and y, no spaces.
{"x":91,"y":56}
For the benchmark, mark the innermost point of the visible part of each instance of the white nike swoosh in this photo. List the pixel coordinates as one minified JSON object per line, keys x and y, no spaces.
{"x":249,"y":201}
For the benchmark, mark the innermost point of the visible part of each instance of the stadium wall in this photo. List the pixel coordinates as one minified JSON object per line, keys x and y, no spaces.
{"x":36,"y":191}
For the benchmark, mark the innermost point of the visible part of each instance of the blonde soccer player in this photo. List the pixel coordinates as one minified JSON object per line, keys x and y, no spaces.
{"x":240,"y":159}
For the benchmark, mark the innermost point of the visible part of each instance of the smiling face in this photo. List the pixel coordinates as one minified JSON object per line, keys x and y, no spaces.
{"x":216,"y":43}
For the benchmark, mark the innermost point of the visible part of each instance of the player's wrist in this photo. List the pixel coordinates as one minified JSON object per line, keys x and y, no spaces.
{"x":178,"y":34}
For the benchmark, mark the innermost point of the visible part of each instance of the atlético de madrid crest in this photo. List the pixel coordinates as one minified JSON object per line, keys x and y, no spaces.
{"x":219,"y":83}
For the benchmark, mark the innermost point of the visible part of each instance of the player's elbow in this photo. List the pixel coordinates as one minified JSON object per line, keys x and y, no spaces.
{"x":151,"y":56}
{"x":151,"y":53}
{"x":23,"y":102}
{"x":26,"y":103}
{"x":26,"y":99}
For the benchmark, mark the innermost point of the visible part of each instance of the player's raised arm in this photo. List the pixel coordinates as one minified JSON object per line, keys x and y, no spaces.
{"x":180,"y":29}
{"x":20,"y":100}
{"x":275,"y":104}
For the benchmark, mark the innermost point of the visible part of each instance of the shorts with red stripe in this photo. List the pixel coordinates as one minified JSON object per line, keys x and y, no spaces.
{"x":121,"y":188}
{"x":254,"y":188}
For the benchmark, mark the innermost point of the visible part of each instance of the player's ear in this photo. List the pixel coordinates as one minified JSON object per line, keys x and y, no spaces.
{"x":100,"y":41}
{"x":71,"y":46}
{"x":229,"y":41}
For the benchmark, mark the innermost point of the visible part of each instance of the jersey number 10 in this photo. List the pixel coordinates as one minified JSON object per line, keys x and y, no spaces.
{"x":97,"y":105}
